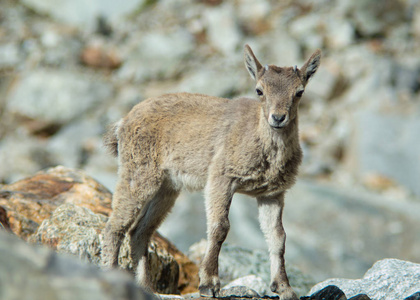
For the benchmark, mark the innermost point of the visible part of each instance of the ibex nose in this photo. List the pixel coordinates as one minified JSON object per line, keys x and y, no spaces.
{"x":278,"y":120}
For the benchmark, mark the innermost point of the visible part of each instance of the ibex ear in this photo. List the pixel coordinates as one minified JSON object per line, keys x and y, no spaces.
{"x":251,"y":62}
{"x":310,"y":67}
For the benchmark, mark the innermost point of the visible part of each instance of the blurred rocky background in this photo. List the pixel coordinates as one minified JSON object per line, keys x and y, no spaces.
{"x":69,"y":68}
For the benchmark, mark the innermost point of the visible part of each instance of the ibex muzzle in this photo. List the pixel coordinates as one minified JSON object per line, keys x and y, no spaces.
{"x":223,"y":146}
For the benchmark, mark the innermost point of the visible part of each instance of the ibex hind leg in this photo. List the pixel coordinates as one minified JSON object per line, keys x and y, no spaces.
{"x":151,"y":216}
{"x":122,"y":217}
{"x":127,"y":203}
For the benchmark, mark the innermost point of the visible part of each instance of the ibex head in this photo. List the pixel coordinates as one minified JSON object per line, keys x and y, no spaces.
{"x":280,"y":89}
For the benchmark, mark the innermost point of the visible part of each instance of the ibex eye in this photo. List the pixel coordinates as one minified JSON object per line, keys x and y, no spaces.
{"x":299,"y":93}
{"x":259,"y":92}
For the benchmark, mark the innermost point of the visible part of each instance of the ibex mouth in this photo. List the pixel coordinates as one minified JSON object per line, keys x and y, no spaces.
{"x":278,"y":127}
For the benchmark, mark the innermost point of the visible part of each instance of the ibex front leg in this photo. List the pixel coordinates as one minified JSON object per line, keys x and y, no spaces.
{"x":218,"y":198}
{"x":270,"y":215}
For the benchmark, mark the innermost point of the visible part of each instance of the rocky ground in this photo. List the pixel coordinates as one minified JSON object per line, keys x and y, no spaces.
{"x":68,"y":70}
{"x":66,"y":210}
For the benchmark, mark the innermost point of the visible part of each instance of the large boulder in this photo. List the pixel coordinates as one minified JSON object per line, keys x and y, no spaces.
{"x":67,"y":210}
{"x":68,"y":11}
{"x":157,"y":55}
{"x":31,"y":200}
{"x":34,"y":273}
{"x":66,"y":97}
{"x":374,"y":153}
{"x":345,"y":230}
{"x":387,"y":279}
{"x":77,"y":230}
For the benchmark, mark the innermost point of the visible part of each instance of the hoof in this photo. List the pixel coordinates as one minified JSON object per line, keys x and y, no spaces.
{"x":208,"y":292}
{"x":284,"y":291}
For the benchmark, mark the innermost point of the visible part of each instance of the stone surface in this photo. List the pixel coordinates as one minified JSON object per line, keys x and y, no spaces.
{"x":100,"y":57}
{"x":330,"y":292}
{"x":239,"y":291}
{"x":73,"y":229}
{"x":4,"y":222}
{"x":21,"y":156}
{"x":188,"y":270}
{"x":70,"y":12}
{"x":77,"y":230}
{"x":65,"y":98}
{"x":67,"y":210}
{"x":35,"y":273}
{"x":222,"y":29}
{"x":157,"y":55}
{"x":415,"y":296}
{"x":374,"y":152}
{"x":360,"y":297}
{"x":29,"y":201}
{"x":252,"y":282}
{"x":387,"y":279}
{"x":347,"y":229}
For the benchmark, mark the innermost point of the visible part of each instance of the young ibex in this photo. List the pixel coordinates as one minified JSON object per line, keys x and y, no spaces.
{"x":224,"y":146}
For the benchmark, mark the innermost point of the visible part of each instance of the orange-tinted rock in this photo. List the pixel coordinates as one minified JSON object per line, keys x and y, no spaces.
{"x":25,"y":204}
{"x":77,"y":230}
{"x":188,"y":270}
{"x":96,"y":57}
{"x":4,"y":220}
{"x":29,"y":201}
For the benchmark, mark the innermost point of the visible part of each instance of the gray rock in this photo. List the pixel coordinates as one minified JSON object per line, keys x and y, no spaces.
{"x":251,"y":13}
{"x":372,"y":18}
{"x":387,"y":279}
{"x":222,"y":28}
{"x":255,"y":283}
{"x":156,"y":55}
{"x":324,"y":86}
{"x":78,"y":231}
{"x":345,"y":230}
{"x":22,"y":155}
{"x":75,"y":230}
{"x":415,"y":296}
{"x":73,"y":144}
{"x":388,"y":144}
{"x":37,"y":273}
{"x":330,"y":292}
{"x":306,"y":30}
{"x":9,"y":55}
{"x":239,"y":291}
{"x":57,"y":96}
{"x":340,"y":32}
{"x":70,"y":12}
{"x":216,"y":80}
{"x":360,"y":297}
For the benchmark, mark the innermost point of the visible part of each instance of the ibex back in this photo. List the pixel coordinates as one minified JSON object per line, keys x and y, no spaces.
{"x":223,"y":146}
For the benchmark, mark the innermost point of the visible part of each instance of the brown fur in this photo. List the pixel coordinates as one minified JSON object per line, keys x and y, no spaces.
{"x":223,"y":146}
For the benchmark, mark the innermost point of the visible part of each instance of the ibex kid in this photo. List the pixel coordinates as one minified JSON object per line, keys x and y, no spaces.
{"x":223,"y":146}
